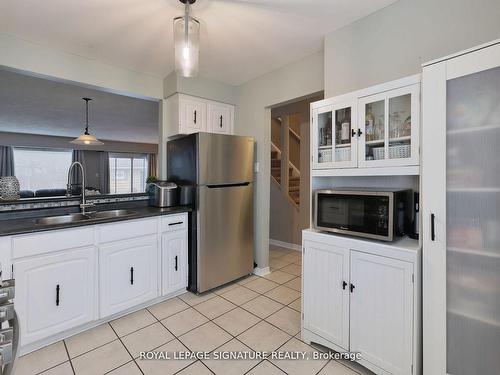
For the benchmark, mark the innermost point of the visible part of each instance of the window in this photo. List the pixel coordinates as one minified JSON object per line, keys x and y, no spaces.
{"x":41,"y":168}
{"x":127,"y":173}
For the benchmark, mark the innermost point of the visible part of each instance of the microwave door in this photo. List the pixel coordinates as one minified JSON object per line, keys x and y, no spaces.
{"x":333,"y":212}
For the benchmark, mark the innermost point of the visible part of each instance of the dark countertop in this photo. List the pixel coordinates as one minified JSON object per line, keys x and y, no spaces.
{"x":22,"y":222}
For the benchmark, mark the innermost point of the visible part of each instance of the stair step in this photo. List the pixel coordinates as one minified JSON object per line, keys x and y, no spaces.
{"x":275,"y":163}
{"x":274,"y":154}
{"x":293,"y":188}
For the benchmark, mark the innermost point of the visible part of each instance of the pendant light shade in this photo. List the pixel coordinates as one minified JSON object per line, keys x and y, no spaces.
{"x":186,"y":43}
{"x":86,"y":138}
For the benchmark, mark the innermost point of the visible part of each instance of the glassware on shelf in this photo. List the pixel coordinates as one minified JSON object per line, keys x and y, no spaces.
{"x":369,"y":123}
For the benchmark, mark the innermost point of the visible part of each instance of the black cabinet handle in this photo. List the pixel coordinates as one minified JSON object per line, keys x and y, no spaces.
{"x":353,"y":133}
{"x":195,"y":116}
{"x":131,"y":275}
{"x":220,"y":121}
{"x":176,"y":265}
{"x":352,"y":287}
{"x":176,"y":223}
{"x":58,"y":288}
{"x":433,"y":227}
{"x":359,"y":132}
{"x":344,"y":284}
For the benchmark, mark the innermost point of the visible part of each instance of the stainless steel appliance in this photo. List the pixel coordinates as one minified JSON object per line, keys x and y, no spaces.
{"x":221,"y":169}
{"x":163,"y":194}
{"x":372,"y":213}
{"x":9,"y":326}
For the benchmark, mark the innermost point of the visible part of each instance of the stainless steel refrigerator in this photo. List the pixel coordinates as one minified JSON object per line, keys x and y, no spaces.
{"x":221,"y":169}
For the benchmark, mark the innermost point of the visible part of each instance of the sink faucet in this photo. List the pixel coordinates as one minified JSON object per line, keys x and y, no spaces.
{"x":84,"y":203}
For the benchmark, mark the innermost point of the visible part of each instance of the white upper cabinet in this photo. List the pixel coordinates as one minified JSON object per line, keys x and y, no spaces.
{"x":334,"y":137}
{"x":220,"y":118}
{"x":189,"y":114}
{"x":375,"y":127}
{"x":389,"y":128}
{"x":192,"y":115}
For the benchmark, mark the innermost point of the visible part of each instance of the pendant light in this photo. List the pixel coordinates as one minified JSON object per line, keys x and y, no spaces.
{"x":186,"y":42}
{"x":86,"y":138}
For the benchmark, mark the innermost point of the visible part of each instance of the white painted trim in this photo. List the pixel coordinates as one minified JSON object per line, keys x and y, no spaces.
{"x":261,"y":271}
{"x":292,"y":246}
{"x":464,"y":52}
{"x":412,"y":170}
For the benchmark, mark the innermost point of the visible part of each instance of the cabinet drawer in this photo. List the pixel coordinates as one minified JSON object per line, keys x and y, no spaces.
{"x":52,"y":241}
{"x":173,"y":222}
{"x":128,"y":274}
{"x":54,"y":293}
{"x":127,"y":229}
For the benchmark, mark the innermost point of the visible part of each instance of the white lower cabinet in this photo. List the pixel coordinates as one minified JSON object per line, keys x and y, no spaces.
{"x":174,"y":261}
{"x":326,"y":292}
{"x":127,"y":274}
{"x":382,"y":311}
{"x":68,"y":279}
{"x":54,"y":292}
{"x":361,"y":296}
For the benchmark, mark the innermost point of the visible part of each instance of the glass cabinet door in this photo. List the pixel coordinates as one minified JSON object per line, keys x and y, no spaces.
{"x":390,"y":128}
{"x":334,"y":133}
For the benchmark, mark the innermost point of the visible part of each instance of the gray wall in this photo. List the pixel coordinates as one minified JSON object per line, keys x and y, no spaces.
{"x":395,"y":41}
{"x":305,"y":77}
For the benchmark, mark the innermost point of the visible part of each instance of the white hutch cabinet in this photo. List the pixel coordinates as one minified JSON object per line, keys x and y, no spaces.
{"x":377,"y":127}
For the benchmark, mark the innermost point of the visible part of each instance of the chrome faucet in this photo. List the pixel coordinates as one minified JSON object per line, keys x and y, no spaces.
{"x":84,"y":203}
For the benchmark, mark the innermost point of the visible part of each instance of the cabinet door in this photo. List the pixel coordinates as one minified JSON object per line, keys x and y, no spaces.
{"x":174,"y":261}
{"x":461,"y":214}
{"x":326,"y":293}
{"x":389,"y":125}
{"x":192,"y":115}
{"x":382,"y":311}
{"x":334,"y":136}
{"x":54,"y":293}
{"x":220,"y":118}
{"x":128,"y":274}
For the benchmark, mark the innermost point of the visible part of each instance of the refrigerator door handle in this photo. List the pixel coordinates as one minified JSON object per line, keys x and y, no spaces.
{"x":218,"y":186}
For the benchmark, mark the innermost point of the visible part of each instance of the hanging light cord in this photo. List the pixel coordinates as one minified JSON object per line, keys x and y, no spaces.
{"x":87,"y":115}
{"x":186,"y":23}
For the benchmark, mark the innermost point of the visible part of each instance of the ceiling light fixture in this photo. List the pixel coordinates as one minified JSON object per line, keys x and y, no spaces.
{"x":186,"y":42}
{"x":86,"y":138}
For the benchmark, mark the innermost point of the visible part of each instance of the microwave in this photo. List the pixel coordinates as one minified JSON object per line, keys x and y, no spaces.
{"x":371,"y":213}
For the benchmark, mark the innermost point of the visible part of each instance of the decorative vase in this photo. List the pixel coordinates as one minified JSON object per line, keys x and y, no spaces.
{"x":9,"y":188}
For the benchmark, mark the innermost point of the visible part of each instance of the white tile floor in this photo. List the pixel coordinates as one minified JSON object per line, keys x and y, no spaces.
{"x":256,"y":313}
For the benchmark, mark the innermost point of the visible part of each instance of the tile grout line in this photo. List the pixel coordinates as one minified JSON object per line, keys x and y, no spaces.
{"x":131,"y":356}
{"x":69,"y":358}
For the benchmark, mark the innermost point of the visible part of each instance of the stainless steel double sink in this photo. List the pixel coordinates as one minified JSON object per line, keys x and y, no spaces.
{"x":75,"y":218}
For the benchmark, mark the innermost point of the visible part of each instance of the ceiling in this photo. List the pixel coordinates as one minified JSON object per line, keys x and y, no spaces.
{"x":240,"y":39}
{"x":39,"y":106}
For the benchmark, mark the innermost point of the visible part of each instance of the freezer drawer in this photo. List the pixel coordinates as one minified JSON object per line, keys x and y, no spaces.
{"x":225,"y":237}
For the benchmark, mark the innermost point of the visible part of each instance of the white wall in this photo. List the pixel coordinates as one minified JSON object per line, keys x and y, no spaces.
{"x":395,"y":41}
{"x":19,"y":54}
{"x":253,"y":118}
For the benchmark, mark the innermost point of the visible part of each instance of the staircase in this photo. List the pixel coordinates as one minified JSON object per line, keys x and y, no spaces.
{"x":294,"y":187}
{"x":276,"y":166}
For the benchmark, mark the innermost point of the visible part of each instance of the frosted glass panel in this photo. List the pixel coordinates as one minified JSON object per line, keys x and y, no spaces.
{"x":473,"y":224}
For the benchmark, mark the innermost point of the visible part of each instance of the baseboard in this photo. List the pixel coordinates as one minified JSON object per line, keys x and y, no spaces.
{"x":288,"y":245}
{"x":261,"y":271}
